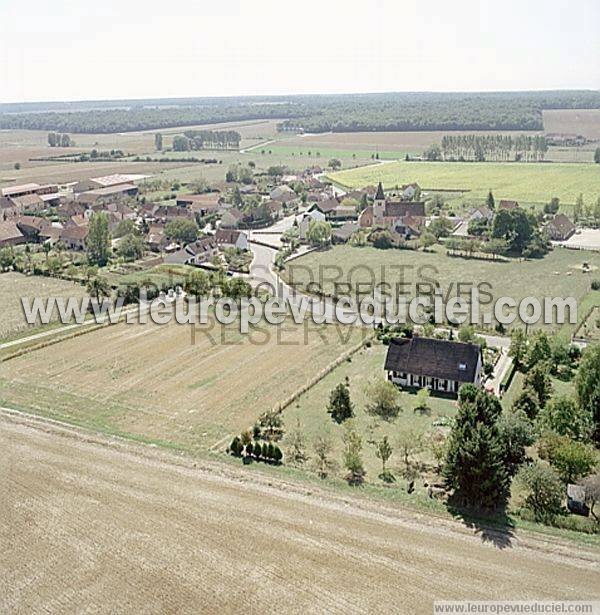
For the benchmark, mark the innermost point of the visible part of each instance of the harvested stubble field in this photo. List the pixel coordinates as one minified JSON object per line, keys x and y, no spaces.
{"x":93,"y":523}
{"x":13,"y":286}
{"x":411,"y":142}
{"x":525,"y":182}
{"x":158,"y":383}
{"x":584,"y":122}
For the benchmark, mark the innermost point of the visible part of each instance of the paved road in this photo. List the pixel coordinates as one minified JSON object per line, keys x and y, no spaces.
{"x":90,"y":524}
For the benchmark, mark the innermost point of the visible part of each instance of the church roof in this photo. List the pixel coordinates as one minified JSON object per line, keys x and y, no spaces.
{"x":379,"y":196}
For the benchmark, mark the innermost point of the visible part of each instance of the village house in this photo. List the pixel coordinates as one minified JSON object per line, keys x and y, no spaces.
{"x":507,"y":204}
{"x":283,"y":194}
{"x":8,"y":209}
{"x":202,"y":250}
{"x":325,"y":206}
{"x":156,"y":238}
{"x":439,"y":365}
{"x":342,"y":234}
{"x":32,"y":226}
{"x":403,"y":217}
{"x":231,"y":238}
{"x":10,"y":234}
{"x":275,"y":209}
{"x":231,"y":218}
{"x":481,"y":213}
{"x":560,"y":228}
{"x":74,"y":236}
{"x":201,"y":204}
{"x":308,"y":217}
{"x":165,"y":213}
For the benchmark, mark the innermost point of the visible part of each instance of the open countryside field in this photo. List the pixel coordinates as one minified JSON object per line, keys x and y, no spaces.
{"x":584,"y":122}
{"x":13,"y":286}
{"x":400,"y":142}
{"x":527,"y":182}
{"x":164,"y":535}
{"x":395,"y":145}
{"x":558,"y":274}
{"x":18,"y":146}
{"x":160,"y":383}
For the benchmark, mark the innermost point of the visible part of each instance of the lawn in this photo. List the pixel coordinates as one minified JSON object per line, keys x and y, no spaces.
{"x":311,"y":411}
{"x":559,"y":274}
{"x":13,"y":286}
{"x":163,"y":383}
{"x":526,"y":182}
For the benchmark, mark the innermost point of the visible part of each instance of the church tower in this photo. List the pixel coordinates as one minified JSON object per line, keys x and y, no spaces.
{"x":379,"y":207}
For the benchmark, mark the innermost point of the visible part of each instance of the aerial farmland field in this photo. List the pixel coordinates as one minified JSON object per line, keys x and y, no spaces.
{"x":584,"y":122}
{"x":165,"y":383}
{"x":526,"y":182}
{"x":13,"y":286}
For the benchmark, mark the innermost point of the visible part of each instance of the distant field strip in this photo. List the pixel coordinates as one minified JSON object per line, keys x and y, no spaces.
{"x":528,"y":182}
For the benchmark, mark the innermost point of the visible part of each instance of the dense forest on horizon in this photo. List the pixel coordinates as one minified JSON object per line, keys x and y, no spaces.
{"x":317,"y":113}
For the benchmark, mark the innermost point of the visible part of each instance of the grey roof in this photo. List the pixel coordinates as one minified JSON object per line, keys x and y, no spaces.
{"x":400,"y":209}
{"x":423,"y":356}
{"x":379,"y":195}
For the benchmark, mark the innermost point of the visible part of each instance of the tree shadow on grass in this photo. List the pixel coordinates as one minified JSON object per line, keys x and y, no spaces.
{"x":496,"y":528}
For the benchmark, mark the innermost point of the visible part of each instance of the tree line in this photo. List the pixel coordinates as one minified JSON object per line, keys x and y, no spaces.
{"x":493,"y":147}
{"x":203,"y":139}
{"x":411,"y":111}
{"x":56,"y":139}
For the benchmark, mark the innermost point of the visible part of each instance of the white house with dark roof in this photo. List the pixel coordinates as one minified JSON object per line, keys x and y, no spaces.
{"x":439,"y":365}
{"x":231,"y":238}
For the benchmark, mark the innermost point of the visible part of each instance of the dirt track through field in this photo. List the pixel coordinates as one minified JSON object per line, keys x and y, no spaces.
{"x":90,"y":525}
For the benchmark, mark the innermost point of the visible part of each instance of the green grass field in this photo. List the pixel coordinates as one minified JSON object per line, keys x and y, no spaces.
{"x":526,"y":182}
{"x":311,"y":410}
{"x":559,"y":274}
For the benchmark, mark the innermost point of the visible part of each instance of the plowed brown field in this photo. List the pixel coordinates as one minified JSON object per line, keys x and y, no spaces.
{"x":97,"y":526}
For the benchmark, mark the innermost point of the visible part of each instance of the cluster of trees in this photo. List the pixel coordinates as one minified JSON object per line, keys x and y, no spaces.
{"x":567,"y":426}
{"x":259,"y":451}
{"x":318,"y":233}
{"x":181,"y":230}
{"x":206,"y":139}
{"x":201,"y":283}
{"x":341,"y":113}
{"x":56,"y":139}
{"x":260,"y":443}
{"x":493,"y":147}
{"x":510,"y":231}
{"x":239,"y":173}
{"x":586,"y":212}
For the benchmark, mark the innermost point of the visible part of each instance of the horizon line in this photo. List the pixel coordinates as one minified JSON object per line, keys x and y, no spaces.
{"x":288,"y":94}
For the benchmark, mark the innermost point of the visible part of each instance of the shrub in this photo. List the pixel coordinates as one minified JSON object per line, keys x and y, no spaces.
{"x":545,"y":491}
